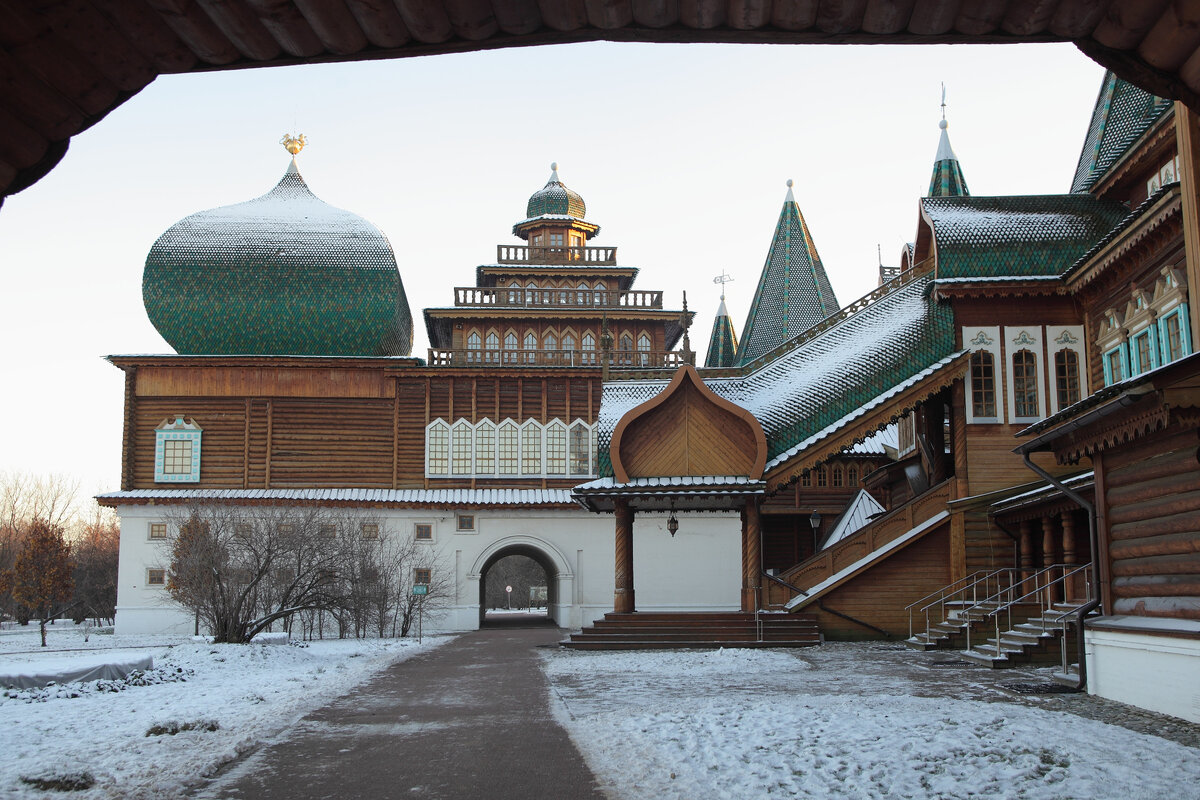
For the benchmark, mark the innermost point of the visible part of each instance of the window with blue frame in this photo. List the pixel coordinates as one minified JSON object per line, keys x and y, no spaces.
{"x":1115,"y":365}
{"x":1174,"y":336}
{"x":177,"y":451}
{"x":1143,"y":351}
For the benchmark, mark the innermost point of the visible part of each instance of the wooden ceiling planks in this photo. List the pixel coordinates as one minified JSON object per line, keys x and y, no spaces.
{"x":64,"y":64}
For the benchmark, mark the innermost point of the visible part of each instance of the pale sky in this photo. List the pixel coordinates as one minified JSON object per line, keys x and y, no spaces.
{"x":682,"y":153}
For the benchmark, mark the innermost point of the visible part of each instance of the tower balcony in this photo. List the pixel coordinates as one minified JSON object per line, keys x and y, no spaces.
{"x":556,"y":254}
{"x":577,"y":359}
{"x":563,"y":297}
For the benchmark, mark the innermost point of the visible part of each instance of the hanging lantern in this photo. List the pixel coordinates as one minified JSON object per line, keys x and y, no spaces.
{"x":672,"y":523}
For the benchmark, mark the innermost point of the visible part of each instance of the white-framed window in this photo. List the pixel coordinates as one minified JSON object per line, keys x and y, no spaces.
{"x":1112,"y":343}
{"x":462,"y":436}
{"x":156,"y":577}
{"x":588,"y":348}
{"x":1026,"y":384}
{"x":984,"y":399}
{"x":474,"y":345}
{"x":510,"y":348}
{"x":157,"y":532}
{"x":531,"y":346}
{"x":491,"y":344}
{"x":527,"y":450}
{"x":437,"y":448}
{"x":177,"y":451}
{"x":1065,"y":360}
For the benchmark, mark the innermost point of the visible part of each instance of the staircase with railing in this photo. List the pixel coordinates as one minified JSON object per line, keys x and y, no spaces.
{"x":1031,"y":618}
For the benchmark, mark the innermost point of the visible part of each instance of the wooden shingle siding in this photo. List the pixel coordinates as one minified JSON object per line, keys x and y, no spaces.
{"x":1152,"y":494}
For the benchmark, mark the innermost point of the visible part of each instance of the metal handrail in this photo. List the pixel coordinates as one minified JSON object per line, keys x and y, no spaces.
{"x":1004,"y":604}
{"x":945,"y":596}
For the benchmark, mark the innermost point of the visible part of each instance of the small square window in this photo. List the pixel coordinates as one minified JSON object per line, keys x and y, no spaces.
{"x":423,"y":532}
{"x":158,"y":530}
{"x":370,"y":530}
{"x":327,"y":530}
{"x":465,"y":522}
{"x":242,"y":531}
{"x":156,"y":577}
{"x":422,"y":576}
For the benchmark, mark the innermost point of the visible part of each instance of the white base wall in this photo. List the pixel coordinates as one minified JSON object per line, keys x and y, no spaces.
{"x":1158,"y":673}
{"x":696,"y":570}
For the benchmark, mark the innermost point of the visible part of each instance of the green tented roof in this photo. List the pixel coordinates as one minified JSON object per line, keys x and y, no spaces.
{"x":722,"y":343}
{"x":1123,"y":112}
{"x":979,"y":237}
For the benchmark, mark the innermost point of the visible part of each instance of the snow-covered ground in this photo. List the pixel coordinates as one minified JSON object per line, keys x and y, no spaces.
{"x":832,"y":722}
{"x":250,"y":692}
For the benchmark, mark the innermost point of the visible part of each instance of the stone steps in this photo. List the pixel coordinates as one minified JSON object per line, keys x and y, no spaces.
{"x":704,"y":630}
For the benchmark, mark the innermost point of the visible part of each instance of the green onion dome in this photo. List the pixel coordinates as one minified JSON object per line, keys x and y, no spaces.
{"x":284,"y":274}
{"x":555,"y":200}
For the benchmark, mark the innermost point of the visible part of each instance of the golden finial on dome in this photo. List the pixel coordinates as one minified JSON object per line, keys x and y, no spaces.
{"x":293,"y":144}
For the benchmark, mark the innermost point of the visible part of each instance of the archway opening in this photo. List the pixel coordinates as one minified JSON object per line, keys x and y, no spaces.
{"x":517,"y":587}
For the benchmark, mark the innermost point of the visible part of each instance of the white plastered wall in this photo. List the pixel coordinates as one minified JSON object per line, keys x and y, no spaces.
{"x":1159,"y":673}
{"x":696,"y":570}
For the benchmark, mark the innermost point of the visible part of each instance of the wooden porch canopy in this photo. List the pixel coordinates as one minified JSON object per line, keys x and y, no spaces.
{"x":65,"y":65}
{"x":689,"y":449}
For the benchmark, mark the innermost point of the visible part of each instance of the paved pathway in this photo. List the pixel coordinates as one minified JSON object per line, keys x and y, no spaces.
{"x":468,"y":719}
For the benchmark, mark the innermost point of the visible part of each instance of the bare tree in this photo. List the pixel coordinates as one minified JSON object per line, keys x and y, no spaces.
{"x":24,"y":498}
{"x":240,"y":572}
{"x":94,"y":554}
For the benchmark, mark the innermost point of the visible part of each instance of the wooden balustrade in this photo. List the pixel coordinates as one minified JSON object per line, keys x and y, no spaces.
{"x":563,"y":297}
{"x":870,"y":538}
{"x":555,"y":254}
{"x":579,"y":359}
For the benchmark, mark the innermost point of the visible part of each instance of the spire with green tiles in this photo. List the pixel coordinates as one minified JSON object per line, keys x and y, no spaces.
{"x":947,"y":179}
{"x":793,"y":291}
{"x":1122,"y":114}
{"x":722,"y":344}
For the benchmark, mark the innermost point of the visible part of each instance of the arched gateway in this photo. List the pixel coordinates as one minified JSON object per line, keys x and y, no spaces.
{"x":560,"y":580}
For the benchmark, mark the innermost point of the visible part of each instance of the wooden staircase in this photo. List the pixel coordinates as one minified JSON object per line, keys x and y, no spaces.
{"x":702,"y":630}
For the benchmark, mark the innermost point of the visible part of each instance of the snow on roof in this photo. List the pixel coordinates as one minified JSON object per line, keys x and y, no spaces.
{"x":825,"y":380}
{"x":1017,"y":235}
{"x":1123,"y":112}
{"x":704,"y":483}
{"x":878,"y":443}
{"x":429,"y":497}
{"x":856,"y":515}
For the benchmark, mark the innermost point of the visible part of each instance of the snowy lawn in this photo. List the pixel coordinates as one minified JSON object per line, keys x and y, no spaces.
{"x":831,"y":722}
{"x":220,"y":700}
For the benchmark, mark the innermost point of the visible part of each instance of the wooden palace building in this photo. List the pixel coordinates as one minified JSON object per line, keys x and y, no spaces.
{"x":994,"y":451}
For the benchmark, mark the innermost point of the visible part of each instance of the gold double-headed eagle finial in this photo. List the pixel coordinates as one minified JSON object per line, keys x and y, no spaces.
{"x":293,"y":144}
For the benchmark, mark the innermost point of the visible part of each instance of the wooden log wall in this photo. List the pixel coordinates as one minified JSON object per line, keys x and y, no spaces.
{"x":987,"y":546}
{"x":288,"y":428}
{"x":1152,"y":500}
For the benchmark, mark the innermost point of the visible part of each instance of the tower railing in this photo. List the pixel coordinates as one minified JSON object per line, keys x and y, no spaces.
{"x":555,"y":254}
{"x":562,"y":297}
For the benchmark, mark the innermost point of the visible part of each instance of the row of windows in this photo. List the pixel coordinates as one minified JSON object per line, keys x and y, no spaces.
{"x":1160,"y":342}
{"x":156,"y":576}
{"x":421,"y":531}
{"x":1026,"y":402}
{"x":835,"y":475}
{"x":485,"y":348}
{"x":529,"y":450}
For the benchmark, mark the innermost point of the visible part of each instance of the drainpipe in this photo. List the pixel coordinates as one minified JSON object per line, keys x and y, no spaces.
{"x":1091,"y":605}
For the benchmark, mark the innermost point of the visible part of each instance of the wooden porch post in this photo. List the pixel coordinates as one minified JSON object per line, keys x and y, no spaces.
{"x":1049,"y":554}
{"x":1026,"y":532}
{"x":751,"y":555}
{"x":1187,"y":141}
{"x":623,"y":594}
{"x":1068,"y":549}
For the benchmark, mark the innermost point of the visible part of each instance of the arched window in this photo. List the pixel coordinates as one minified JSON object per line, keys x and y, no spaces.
{"x":1066,"y":374}
{"x":806,"y":478}
{"x":643,"y":346}
{"x":1024,"y":378}
{"x":437,"y":455}
{"x":473,"y":345}
{"x":510,"y":348}
{"x":514,"y":294}
{"x":550,"y":345}
{"x":837,"y":476}
{"x":556,"y":448}
{"x":461,"y":436}
{"x":579,"y":457}
{"x":568,"y":345}
{"x":531,"y":346}
{"x":588,"y":348}
{"x":508,"y":448}
{"x":531,"y":293}
{"x":485,"y":448}
{"x":852,"y":475}
{"x":531,"y":448}
{"x":983,"y":384}
{"x":492,"y":343}
{"x":822,"y":477}
{"x":626,"y":346}
{"x":600,"y":296}
{"x":581,"y":297}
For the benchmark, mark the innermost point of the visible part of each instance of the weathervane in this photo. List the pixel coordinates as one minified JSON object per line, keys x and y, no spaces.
{"x":293,"y":144}
{"x":723,"y":279}
{"x":943,"y":102}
